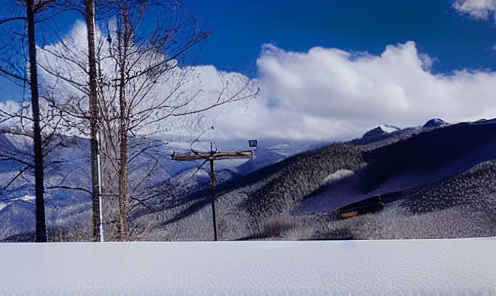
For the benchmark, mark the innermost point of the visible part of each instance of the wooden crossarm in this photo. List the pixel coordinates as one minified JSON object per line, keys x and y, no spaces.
{"x":237,"y":154}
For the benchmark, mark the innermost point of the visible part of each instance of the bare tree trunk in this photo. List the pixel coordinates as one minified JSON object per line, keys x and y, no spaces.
{"x":123,"y":155}
{"x":123,"y":159}
{"x":41,"y":235}
{"x":123,"y":186}
{"x":93,"y":105}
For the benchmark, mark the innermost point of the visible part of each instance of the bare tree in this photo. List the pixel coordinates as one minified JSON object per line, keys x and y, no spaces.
{"x":38,"y":119}
{"x":41,"y":235}
{"x":140,"y":83}
{"x":11,"y":69}
{"x":93,"y":106}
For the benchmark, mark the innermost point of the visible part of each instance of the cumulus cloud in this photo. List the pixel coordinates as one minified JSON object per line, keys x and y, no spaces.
{"x":323,"y":94}
{"x":6,"y":110}
{"x":478,"y":9}
{"x":330,"y":94}
{"x":167,"y":107}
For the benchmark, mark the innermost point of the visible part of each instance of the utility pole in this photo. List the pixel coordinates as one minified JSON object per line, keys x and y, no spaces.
{"x":211,"y":157}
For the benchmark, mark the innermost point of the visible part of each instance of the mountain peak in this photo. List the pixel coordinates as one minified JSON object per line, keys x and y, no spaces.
{"x":434,"y":122}
{"x":378,"y":133}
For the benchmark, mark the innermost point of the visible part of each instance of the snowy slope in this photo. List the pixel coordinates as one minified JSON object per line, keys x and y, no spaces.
{"x":427,"y":158}
{"x":65,"y":167}
{"x":408,"y":267}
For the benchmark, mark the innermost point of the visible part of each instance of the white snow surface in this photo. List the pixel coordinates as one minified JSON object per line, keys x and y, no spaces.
{"x":400,"y":267}
{"x":26,"y":198}
{"x":389,"y":128}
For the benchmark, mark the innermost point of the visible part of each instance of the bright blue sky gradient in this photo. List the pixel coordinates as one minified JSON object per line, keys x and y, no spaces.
{"x":240,"y":27}
{"x":332,"y":69}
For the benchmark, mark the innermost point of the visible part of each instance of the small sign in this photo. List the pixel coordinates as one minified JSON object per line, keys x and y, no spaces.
{"x":253,"y":143}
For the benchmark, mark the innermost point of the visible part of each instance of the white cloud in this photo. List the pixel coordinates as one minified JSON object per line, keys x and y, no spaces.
{"x":6,"y":109}
{"x":323,"y":94}
{"x":330,"y":94}
{"x":182,"y":90}
{"x":479,"y":9}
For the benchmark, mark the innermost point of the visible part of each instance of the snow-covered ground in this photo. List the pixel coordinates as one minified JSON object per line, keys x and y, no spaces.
{"x":404,"y":267}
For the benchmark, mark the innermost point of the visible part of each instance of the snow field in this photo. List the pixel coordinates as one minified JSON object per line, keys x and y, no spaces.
{"x":406,"y":267}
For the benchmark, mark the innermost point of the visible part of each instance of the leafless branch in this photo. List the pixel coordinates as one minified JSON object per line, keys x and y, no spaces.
{"x":16,"y":176}
{"x":68,"y":187}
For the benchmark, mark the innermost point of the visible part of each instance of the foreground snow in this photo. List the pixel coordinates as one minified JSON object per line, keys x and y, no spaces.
{"x":402,"y":267}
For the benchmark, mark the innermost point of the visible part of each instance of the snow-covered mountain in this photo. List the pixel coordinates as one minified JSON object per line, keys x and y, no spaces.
{"x":435,"y":180}
{"x":68,"y":183}
{"x":422,"y":182}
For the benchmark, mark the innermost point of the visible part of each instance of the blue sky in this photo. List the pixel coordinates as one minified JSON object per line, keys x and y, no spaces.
{"x":331,"y":70}
{"x":240,"y":27}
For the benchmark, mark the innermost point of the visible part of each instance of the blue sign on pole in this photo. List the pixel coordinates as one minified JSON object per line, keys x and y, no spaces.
{"x":253,"y":143}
